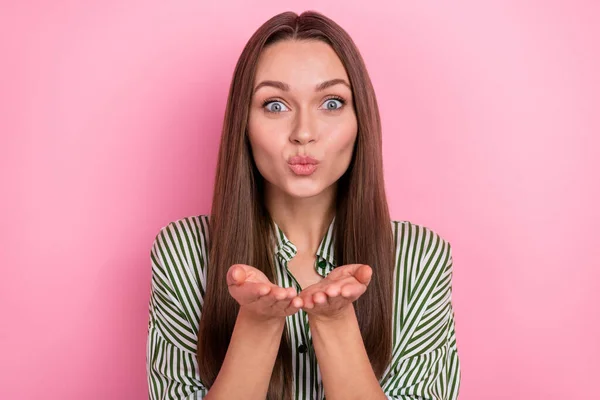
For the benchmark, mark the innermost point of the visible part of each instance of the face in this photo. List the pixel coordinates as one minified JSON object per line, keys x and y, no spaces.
{"x":301,"y":107}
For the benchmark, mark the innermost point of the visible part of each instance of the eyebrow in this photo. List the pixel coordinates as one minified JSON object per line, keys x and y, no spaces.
{"x":285,"y":87}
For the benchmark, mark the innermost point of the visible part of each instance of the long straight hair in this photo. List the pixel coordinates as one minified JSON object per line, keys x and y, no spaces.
{"x":240,"y":227}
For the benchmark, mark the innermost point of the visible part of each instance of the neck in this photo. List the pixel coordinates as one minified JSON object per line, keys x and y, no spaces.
{"x":303,"y":220}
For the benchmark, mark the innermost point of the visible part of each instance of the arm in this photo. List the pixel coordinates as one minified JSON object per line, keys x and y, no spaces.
{"x":171,"y":360}
{"x":434,"y":374}
{"x":245,"y":373}
{"x":345,"y":367}
{"x":248,"y":364}
{"x":425,"y":363}
{"x":341,"y":353}
{"x":171,"y":364}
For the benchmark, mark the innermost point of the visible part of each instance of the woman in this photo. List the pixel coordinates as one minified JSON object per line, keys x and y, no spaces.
{"x":298,"y":285}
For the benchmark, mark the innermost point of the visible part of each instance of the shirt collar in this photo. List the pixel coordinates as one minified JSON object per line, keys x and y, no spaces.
{"x":285,"y":249}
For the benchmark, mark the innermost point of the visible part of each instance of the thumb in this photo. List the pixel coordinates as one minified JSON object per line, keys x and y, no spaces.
{"x":363,"y":274}
{"x":236,"y":275}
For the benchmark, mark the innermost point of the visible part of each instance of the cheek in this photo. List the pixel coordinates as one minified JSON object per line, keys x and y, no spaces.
{"x":266,"y":152}
{"x":266,"y":149}
{"x":262,"y":137}
{"x":341,"y":138}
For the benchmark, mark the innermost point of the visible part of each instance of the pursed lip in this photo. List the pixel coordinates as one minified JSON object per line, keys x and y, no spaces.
{"x":302,"y":160}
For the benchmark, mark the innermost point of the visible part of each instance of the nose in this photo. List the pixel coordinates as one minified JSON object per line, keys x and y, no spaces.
{"x":303,"y":130}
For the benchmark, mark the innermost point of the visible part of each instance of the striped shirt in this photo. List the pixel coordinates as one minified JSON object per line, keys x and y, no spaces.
{"x":425,"y":363}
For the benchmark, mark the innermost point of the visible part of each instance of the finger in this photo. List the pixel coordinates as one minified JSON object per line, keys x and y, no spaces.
{"x":294,"y":306}
{"x":235,"y":275}
{"x":278,"y":298}
{"x":282,"y":293}
{"x":307,"y":300}
{"x":249,"y":292}
{"x":279,"y":302}
{"x":353,"y":291}
{"x":266,"y":302}
{"x":320,"y":299}
{"x":351,"y":269}
{"x":364,"y":274}
{"x":279,"y":293}
{"x":307,"y":295}
{"x":334,"y":288}
{"x":297,"y":302}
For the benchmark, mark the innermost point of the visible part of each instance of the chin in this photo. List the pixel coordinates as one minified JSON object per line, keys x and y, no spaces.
{"x":304,"y":190}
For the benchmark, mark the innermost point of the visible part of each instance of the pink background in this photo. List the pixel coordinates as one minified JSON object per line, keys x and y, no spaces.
{"x":110,"y":119}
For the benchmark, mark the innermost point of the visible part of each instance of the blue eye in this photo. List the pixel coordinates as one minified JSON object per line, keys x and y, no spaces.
{"x":333,"y":104}
{"x":275,"y":106}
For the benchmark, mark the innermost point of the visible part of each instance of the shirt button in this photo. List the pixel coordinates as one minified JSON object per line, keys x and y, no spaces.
{"x":302,"y":348}
{"x":322,"y":263}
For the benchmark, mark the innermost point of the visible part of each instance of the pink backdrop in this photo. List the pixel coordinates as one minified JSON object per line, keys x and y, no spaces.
{"x":110,"y":116}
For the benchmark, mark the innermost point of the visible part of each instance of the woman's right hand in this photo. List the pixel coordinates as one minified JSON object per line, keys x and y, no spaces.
{"x":258,"y":296}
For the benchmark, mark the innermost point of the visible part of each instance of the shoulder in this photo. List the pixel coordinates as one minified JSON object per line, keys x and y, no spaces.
{"x":408,"y":233}
{"x":190,"y":227}
{"x":179,"y":251}
{"x":420,"y":249}
{"x":178,"y":258}
{"x":189,"y":234}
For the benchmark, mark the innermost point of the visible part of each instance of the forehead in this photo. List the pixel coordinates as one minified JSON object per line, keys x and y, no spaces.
{"x":299,"y":63}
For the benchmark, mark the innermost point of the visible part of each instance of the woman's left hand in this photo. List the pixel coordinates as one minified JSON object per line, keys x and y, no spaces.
{"x":329,"y":297}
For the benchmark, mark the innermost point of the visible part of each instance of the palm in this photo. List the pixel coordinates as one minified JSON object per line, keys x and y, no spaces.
{"x":339,"y":273}
{"x":246,"y":283}
{"x":252,"y":290}
{"x":339,"y":289}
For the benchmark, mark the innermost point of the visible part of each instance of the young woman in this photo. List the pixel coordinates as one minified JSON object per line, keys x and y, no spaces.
{"x":298,"y":285}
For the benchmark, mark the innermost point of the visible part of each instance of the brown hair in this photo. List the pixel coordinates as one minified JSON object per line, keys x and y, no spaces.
{"x":241,"y":227}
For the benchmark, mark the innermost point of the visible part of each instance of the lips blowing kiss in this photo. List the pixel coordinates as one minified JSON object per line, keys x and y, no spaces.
{"x":303,"y":165}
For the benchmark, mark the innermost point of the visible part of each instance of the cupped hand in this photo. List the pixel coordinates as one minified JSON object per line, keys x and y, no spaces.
{"x":259,"y":296}
{"x":333,"y":294}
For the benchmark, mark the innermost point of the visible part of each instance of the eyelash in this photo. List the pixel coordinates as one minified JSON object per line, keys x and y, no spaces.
{"x":340,"y":99}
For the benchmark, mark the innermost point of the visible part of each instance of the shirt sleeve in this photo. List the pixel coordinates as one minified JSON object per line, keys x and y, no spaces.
{"x":425,"y":363}
{"x":171,"y":364}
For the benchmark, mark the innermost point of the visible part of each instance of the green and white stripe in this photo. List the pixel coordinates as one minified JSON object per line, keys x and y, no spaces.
{"x":425,"y":362}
